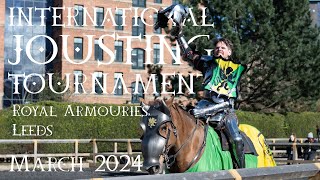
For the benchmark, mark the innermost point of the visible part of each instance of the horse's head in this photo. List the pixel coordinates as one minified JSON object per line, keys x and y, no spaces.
{"x":159,"y":134}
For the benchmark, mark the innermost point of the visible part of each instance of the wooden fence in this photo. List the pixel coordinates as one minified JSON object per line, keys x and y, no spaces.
{"x":76,"y":143}
{"x":278,"y":147}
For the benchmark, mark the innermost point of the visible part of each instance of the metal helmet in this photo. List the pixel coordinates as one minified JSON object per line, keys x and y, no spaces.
{"x":177,"y":12}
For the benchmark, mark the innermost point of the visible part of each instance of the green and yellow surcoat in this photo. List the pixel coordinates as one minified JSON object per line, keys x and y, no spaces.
{"x":225,"y":77}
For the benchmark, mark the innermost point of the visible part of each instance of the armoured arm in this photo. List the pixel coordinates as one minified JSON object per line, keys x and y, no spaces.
{"x":200,"y":62}
{"x":187,"y":53}
{"x":212,"y":109}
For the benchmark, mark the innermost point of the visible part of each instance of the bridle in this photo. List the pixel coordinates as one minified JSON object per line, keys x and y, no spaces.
{"x":170,"y":159}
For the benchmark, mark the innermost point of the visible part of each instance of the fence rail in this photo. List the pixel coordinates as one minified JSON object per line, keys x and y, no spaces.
{"x":301,"y":171}
{"x":76,"y":143}
{"x":277,"y":145}
{"x":279,"y":149}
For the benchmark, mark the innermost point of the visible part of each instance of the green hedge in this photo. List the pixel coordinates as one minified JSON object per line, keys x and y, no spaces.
{"x":270,"y":125}
{"x":68,"y":127}
{"x":302,"y":123}
{"x":108,"y":127}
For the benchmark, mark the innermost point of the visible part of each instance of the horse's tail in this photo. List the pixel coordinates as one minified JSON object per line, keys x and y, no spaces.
{"x":265,"y":158}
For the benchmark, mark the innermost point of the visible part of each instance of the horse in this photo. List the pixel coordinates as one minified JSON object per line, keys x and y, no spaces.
{"x":175,"y":141}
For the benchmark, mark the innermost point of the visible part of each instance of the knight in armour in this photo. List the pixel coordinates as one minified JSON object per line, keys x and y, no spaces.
{"x":221,"y":78}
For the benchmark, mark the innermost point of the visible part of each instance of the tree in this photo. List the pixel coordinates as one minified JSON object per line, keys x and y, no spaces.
{"x":277,"y":42}
{"x":58,"y":85}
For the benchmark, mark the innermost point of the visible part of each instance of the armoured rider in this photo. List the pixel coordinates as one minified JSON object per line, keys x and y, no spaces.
{"x":221,"y":76}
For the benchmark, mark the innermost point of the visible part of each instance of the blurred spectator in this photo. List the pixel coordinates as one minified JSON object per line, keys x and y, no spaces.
{"x":309,"y":152}
{"x":318,"y":133}
{"x":292,"y":154}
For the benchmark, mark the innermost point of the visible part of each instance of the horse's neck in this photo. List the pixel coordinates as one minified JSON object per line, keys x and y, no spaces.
{"x":185,"y":124}
{"x":189,"y":133}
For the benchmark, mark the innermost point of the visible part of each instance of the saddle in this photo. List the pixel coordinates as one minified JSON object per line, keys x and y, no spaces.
{"x":248,"y":145}
{"x":216,"y":121}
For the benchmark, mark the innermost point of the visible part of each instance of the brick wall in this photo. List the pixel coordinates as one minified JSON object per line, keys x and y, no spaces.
{"x":92,"y":65}
{"x":314,"y":12}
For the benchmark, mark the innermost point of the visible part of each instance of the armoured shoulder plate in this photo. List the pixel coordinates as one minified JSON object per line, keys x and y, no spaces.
{"x":206,"y":58}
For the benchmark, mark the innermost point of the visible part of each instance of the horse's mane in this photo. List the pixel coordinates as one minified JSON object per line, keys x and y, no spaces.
{"x":183,"y":112}
{"x":161,"y":106}
{"x":158,"y":104}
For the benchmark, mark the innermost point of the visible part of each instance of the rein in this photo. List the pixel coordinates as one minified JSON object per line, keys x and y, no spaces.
{"x":167,"y":158}
{"x":170,"y":160}
{"x":201,"y":148}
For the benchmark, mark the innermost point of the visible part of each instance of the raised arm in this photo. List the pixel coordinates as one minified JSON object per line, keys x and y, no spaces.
{"x":190,"y":55}
{"x":178,"y":14}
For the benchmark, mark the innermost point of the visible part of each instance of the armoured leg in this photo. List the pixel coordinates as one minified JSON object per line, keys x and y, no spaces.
{"x":235,"y":138}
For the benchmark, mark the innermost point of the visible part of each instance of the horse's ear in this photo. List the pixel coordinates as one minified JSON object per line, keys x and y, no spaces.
{"x":142,"y":101}
{"x":169,"y":101}
{"x":144,"y":105}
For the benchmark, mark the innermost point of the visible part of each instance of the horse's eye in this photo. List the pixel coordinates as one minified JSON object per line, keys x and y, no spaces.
{"x":164,"y":128}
